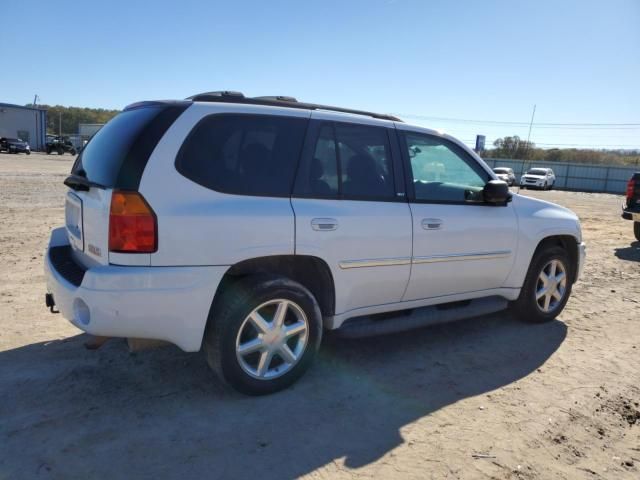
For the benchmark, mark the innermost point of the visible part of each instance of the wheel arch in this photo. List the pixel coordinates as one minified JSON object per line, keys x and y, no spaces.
{"x":568,"y":243}
{"x":310,"y":271}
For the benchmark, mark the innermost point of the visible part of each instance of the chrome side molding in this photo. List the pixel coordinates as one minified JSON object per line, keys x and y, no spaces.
{"x":388,"y":262}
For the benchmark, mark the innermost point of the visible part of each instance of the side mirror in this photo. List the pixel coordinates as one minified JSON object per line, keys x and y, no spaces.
{"x":496,"y":192}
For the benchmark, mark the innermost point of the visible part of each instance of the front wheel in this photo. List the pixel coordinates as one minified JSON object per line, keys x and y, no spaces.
{"x":636,"y":230}
{"x":263,"y":334}
{"x":546,"y":288}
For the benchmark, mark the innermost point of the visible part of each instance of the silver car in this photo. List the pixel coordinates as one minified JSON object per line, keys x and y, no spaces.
{"x":505,"y":174}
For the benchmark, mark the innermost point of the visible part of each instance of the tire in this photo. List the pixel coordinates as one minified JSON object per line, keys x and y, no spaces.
{"x":48,"y":151}
{"x":60,"y":151}
{"x":229,"y":321}
{"x":551,"y":186}
{"x":636,"y":230}
{"x":527,"y":307}
{"x":28,"y":152}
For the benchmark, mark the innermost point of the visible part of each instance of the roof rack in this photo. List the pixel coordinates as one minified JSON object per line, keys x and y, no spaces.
{"x":228,"y":96}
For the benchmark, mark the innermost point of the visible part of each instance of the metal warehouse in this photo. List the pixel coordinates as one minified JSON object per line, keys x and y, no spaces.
{"x":26,"y":123}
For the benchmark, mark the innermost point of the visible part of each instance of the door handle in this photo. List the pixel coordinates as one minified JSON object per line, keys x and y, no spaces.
{"x":324,"y":224}
{"x":431,"y":223}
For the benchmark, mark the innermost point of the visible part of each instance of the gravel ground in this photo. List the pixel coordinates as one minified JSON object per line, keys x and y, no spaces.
{"x":484,"y":398}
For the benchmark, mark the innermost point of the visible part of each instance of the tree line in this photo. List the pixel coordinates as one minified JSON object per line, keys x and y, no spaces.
{"x":516,"y":148}
{"x":70,"y":117}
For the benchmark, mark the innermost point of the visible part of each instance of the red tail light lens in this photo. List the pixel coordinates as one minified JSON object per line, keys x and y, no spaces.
{"x":630,"y":187}
{"x":132,"y":224}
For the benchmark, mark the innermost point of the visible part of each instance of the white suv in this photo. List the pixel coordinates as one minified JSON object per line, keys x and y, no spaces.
{"x":543,"y":178}
{"x":246,"y":226}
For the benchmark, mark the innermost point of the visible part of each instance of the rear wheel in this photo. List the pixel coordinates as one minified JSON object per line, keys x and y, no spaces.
{"x":263,"y":334}
{"x":546,"y":288}
{"x":636,"y":230}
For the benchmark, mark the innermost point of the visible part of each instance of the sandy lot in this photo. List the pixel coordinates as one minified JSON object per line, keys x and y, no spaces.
{"x":552,"y":401}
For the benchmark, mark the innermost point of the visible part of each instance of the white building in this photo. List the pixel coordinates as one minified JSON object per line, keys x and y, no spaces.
{"x":26,"y":123}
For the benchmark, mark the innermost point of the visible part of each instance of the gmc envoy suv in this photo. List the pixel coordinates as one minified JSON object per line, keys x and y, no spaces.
{"x":248,"y":226}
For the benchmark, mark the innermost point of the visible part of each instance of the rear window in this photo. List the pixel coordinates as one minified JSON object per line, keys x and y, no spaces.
{"x":117,"y":154}
{"x":243,"y":154}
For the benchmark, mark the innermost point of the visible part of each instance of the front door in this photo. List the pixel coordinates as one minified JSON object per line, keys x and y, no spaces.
{"x":348,"y":212}
{"x":460,"y":244}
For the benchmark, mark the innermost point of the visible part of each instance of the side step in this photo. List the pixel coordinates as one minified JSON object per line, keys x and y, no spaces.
{"x":372,"y":325}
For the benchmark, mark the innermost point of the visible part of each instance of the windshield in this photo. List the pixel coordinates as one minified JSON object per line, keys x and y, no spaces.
{"x":500,"y":170}
{"x":13,"y":140}
{"x":537,"y":171}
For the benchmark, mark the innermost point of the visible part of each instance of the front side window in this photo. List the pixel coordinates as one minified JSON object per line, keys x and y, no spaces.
{"x":243,"y":154}
{"x":442,"y":171}
{"x":348,"y":161}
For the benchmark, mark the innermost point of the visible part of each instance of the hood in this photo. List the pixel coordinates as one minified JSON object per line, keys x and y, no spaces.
{"x":17,"y":142}
{"x":530,"y":175}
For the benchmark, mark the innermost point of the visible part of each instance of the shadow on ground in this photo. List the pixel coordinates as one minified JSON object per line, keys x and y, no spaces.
{"x":631,"y":252}
{"x":69,"y":412}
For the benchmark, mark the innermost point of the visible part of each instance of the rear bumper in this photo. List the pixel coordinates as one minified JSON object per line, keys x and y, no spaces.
{"x":163,"y":303}
{"x":631,"y":214}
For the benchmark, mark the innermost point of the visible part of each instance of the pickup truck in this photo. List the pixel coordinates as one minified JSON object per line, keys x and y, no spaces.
{"x":631,"y":207}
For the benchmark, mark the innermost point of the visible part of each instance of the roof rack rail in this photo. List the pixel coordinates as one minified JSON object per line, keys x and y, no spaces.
{"x":227,"y":96}
{"x":216,"y":96}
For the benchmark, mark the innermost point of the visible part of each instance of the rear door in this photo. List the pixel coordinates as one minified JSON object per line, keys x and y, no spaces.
{"x":114,"y":159}
{"x":351,"y":212}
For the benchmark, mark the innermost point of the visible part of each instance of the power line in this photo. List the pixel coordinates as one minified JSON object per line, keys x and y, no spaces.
{"x":631,"y":126}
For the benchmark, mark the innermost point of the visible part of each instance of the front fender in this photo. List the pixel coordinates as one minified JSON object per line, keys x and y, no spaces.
{"x":538,"y":220}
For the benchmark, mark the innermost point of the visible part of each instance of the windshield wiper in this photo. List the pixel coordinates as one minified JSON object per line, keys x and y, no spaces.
{"x":80,"y":183}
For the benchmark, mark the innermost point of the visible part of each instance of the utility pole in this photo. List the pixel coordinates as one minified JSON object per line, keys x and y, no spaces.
{"x":533,"y":114}
{"x":531,"y":124}
{"x":60,"y":124}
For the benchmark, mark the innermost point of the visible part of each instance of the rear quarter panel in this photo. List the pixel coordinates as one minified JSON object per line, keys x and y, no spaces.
{"x":199,"y":226}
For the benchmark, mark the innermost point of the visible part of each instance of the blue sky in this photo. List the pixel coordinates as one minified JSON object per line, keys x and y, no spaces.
{"x":578,"y":61}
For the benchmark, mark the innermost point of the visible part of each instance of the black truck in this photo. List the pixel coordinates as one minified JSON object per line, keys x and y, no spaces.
{"x":631,"y":207}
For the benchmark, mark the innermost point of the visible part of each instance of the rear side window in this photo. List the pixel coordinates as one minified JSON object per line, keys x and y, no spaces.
{"x":117,"y":154}
{"x":348,"y":161}
{"x":243,"y":154}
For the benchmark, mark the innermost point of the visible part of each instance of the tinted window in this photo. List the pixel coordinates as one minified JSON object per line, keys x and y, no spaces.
{"x":243,"y":154}
{"x":442,"y":171}
{"x":118,"y":152}
{"x":348,"y":161}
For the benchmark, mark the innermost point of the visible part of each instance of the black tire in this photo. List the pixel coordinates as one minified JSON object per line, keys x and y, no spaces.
{"x":636,"y":230}
{"x":551,"y":186}
{"x":227,"y":317}
{"x":48,"y":151}
{"x":60,"y":151}
{"x":72,"y":151}
{"x":526,"y":306}
{"x":28,"y":152}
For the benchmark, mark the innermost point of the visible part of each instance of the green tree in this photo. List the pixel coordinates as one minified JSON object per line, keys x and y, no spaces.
{"x":70,"y":117}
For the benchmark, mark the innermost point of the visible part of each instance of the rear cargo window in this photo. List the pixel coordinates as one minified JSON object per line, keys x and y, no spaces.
{"x":117,"y":154}
{"x":243,"y":154}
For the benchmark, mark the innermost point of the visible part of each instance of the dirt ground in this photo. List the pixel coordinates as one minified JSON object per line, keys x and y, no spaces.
{"x":485,"y":398}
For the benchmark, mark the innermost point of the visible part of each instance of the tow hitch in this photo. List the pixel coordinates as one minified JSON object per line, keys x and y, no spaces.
{"x":48,"y":300}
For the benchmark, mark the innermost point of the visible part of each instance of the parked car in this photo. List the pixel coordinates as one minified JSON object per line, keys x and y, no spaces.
{"x":247,"y":226}
{"x":542,"y":178}
{"x":631,"y":206}
{"x":60,"y":145}
{"x":14,"y":145}
{"x":506,"y":175}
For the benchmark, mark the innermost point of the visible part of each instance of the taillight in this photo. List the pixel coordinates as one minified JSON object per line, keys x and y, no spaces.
{"x":132,"y":224}
{"x":630,"y":188}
